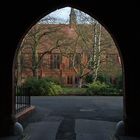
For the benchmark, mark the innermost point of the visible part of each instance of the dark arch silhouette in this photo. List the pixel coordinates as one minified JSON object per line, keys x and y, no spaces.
{"x":114,"y":16}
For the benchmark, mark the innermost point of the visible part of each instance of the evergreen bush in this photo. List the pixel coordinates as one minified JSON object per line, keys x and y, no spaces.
{"x":42,"y":87}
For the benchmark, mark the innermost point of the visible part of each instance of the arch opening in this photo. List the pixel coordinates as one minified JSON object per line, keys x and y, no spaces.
{"x":69,"y":53}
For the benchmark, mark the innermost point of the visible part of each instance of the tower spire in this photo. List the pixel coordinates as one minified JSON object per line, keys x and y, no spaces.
{"x":72,"y":19}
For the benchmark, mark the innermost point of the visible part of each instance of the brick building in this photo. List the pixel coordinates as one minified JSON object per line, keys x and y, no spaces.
{"x":60,"y":50}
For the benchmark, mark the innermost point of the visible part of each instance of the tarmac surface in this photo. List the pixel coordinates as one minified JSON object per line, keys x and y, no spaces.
{"x":73,"y":118}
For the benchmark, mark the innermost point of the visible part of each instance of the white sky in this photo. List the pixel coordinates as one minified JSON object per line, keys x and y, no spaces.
{"x":60,"y":15}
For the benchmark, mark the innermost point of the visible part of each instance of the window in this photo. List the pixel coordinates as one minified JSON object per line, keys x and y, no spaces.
{"x":70,"y":61}
{"x":77,"y":59}
{"x":55,"y":60}
{"x":76,"y":80}
{"x":69,"y":80}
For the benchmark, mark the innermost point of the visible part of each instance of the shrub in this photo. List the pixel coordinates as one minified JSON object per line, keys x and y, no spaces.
{"x":34,"y":85}
{"x":52,"y":79}
{"x":104,"y":78}
{"x":55,"y":89}
{"x":119,"y":82}
{"x":98,"y":88}
{"x":42,"y":87}
{"x":89,"y":78}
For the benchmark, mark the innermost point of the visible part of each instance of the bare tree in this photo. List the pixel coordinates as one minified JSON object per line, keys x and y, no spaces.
{"x":96,"y":51}
{"x":88,"y":42}
{"x":96,"y":39}
{"x":84,"y":48}
{"x":30,"y":46}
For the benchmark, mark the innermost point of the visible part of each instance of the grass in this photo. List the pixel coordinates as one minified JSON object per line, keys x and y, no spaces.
{"x":74,"y":91}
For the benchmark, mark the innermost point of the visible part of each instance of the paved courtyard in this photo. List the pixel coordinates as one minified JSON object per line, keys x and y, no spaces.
{"x":74,"y":118}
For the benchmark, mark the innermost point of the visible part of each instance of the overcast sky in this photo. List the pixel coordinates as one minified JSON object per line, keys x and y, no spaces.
{"x":61,"y":13}
{"x":61,"y":16}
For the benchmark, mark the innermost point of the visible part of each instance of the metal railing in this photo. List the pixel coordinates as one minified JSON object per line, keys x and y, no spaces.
{"x":22,"y":99}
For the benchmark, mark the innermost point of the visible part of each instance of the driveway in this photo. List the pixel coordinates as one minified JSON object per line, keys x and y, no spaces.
{"x":74,"y":118}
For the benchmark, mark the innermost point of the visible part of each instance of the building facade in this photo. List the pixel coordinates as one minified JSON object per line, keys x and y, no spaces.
{"x":66,"y":52}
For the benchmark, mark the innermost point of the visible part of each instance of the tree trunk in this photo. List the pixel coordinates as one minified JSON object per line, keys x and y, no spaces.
{"x":95,"y":51}
{"x":98,"y":58}
{"x":80,"y":82}
{"x":35,"y":63}
{"x":35,"y":73}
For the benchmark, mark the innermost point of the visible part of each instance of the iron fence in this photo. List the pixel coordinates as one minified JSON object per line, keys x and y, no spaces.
{"x":23,"y":98}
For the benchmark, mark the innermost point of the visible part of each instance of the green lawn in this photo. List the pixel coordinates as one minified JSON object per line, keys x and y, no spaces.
{"x":83,"y":91}
{"x":74,"y":91}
